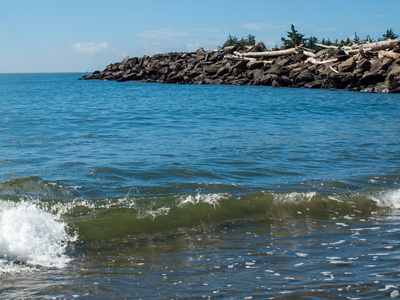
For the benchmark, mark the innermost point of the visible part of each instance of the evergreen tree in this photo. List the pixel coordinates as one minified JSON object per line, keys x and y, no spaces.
{"x":295,"y":38}
{"x":390,"y":34}
{"x":233,"y":40}
{"x":311,"y":43}
{"x":369,"y":39}
{"x":251,"y":40}
{"x":356,"y":39}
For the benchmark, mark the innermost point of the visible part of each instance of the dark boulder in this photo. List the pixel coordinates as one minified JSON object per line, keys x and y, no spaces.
{"x":278,"y":70}
{"x":362,"y":65}
{"x":340,"y":80}
{"x":240,"y":66}
{"x":339,"y":54}
{"x":394,"y":80}
{"x":211,"y":70}
{"x":381,"y":65}
{"x":370,"y":78}
{"x":347,"y":66}
{"x":223,"y":70}
{"x":253,"y":65}
{"x":267,"y":79}
{"x":304,"y":77}
{"x":317,"y":84}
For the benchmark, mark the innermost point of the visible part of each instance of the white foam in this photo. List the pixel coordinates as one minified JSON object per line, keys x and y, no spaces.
{"x":31,"y":237}
{"x":294,"y":197}
{"x":212,"y":199}
{"x":389,"y":198}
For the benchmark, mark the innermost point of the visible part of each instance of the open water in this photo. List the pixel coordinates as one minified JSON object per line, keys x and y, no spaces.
{"x":144,"y":190}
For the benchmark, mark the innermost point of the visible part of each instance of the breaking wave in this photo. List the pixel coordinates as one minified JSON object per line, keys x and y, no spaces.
{"x":31,"y":238}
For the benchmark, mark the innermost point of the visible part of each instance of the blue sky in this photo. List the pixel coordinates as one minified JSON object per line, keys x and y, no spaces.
{"x":87,"y":35}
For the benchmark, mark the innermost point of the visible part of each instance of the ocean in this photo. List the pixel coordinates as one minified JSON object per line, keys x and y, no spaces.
{"x":154,"y":191}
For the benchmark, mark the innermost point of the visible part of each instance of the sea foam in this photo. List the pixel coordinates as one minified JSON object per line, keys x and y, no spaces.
{"x":388,"y":198}
{"x":31,"y":237}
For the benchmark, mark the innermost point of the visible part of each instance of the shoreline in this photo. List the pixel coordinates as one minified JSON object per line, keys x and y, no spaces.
{"x":331,"y":68}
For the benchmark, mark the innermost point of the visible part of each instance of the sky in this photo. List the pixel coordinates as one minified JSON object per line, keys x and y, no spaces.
{"x":87,"y":35}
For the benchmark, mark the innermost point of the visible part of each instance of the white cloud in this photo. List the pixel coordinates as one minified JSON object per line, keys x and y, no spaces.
{"x":154,"y":47}
{"x":253,"y":26}
{"x":193,"y":46}
{"x":162,"y":34}
{"x":90,"y":48}
{"x":326,"y":29}
{"x":263,"y":26}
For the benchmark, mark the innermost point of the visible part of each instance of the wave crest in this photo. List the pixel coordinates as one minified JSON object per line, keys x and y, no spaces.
{"x":31,"y":237}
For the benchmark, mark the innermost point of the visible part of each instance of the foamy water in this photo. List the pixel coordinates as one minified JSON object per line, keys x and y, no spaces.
{"x":31,"y":237}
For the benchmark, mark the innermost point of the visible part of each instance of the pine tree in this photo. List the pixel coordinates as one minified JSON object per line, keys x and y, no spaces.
{"x":356,"y":39}
{"x":311,"y":43}
{"x":295,"y":38}
{"x":251,"y":40}
{"x":233,"y":40}
{"x":390,"y":34}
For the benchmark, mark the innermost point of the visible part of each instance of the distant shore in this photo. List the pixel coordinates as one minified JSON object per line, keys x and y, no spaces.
{"x":373,"y":67}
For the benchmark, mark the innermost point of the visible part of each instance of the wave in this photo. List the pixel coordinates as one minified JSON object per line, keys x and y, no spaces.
{"x":119,"y":217}
{"x":31,"y":238}
{"x":36,"y":231}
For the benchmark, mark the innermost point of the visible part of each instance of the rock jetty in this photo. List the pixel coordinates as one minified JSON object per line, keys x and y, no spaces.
{"x":373,"y":67}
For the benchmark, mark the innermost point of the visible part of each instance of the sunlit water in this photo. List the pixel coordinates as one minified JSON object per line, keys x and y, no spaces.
{"x":133,"y":190}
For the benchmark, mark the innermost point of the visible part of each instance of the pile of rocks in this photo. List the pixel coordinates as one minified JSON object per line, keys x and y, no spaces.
{"x":326,"y":69}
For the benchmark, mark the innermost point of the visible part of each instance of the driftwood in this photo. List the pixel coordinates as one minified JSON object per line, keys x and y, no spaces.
{"x":367,"y":47}
{"x":382,"y":45}
{"x":237,"y":57}
{"x":308,"y":53}
{"x":356,"y":51}
{"x":389,"y":54}
{"x":321,"y":62}
{"x":326,"y":46}
{"x":270,"y":53}
{"x":372,"y":47}
{"x":330,"y":67}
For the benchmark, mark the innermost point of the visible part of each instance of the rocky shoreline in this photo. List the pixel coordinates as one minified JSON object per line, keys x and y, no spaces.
{"x":360,"y":69}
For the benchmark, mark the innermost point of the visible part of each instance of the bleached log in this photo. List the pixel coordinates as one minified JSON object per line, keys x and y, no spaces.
{"x":333,"y":69}
{"x":376,"y":46}
{"x":326,"y":46}
{"x":367,"y":47}
{"x":308,"y":53}
{"x":270,"y":53}
{"x":240,"y":57}
{"x":246,"y":58}
{"x":320,"y":62}
{"x":389,"y":54}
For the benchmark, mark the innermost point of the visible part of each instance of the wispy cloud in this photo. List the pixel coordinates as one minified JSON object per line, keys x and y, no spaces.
{"x":383,"y":16}
{"x":263,"y":26}
{"x":154,"y":47}
{"x":90,"y":48}
{"x":325,"y":29}
{"x":163,"y":34}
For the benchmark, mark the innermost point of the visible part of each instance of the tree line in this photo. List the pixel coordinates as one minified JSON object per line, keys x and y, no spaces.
{"x":294,"y":38}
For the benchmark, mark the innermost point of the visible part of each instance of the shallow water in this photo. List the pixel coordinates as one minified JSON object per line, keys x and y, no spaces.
{"x":134,"y":190}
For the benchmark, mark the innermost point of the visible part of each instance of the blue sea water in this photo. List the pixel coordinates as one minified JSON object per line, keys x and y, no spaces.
{"x":146,"y":190}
